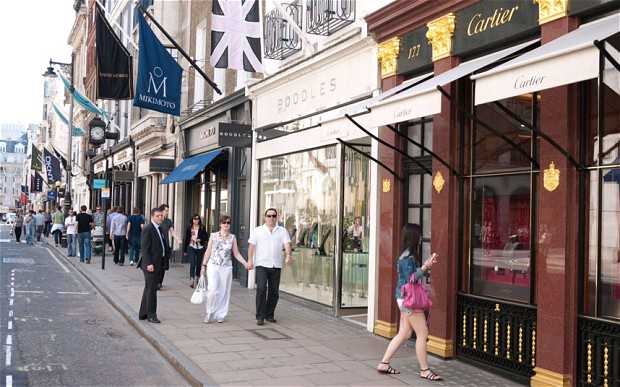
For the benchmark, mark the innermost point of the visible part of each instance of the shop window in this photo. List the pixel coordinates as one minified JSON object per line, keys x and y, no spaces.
{"x":500,"y":192}
{"x":356,"y":228}
{"x":305,"y":197}
{"x":602,"y":290}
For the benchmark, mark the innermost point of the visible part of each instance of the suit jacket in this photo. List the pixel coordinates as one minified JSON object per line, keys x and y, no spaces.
{"x":151,"y":252}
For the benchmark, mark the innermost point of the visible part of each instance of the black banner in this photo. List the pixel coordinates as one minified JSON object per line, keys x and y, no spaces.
{"x":35,"y":162}
{"x":114,"y":64}
{"x":415,"y":52}
{"x":52,"y":167}
{"x":25,"y":189}
{"x":592,"y":6}
{"x":492,"y":22}
{"x":36,"y":183}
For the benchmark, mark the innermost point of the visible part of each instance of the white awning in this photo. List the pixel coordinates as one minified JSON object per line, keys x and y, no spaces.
{"x":424,"y":99}
{"x":568,"y":59}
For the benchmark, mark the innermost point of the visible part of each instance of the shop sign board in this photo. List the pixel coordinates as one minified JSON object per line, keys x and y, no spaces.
{"x":415,"y":52}
{"x":318,"y":87}
{"x":99,"y":166}
{"x":587,"y":6}
{"x":123,"y":176}
{"x":491,"y":22}
{"x":123,"y":156}
{"x":214,"y":135}
{"x":105,"y":193}
{"x":98,"y":183}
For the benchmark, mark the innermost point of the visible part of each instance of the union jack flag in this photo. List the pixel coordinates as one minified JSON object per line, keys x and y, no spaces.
{"x":235,"y":35}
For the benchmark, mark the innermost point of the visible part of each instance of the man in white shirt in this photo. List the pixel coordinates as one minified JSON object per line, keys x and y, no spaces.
{"x":265,"y":254}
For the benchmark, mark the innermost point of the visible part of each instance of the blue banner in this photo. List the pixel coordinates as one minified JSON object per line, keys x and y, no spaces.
{"x":76,"y":131}
{"x":51,"y":195}
{"x":159,"y":75}
{"x":52,"y":167}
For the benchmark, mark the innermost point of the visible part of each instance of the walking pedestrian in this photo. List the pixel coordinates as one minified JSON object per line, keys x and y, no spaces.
{"x":135,"y":224}
{"x":19,"y":224}
{"x":166,"y":227}
{"x":29,"y":225}
{"x":108,"y":225}
{"x":84,"y":226}
{"x":409,"y":264}
{"x":153,"y":249}
{"x":98,"y":217}
{"x":265,"y":254}
{"x":58,"y":222}
{"x":39,"y":223}
{"x":71,"y":230}
{"x":48,"y":223}
{"x":118,"y":234}
{"x":193,"y":246}
{"x":217,"y":263}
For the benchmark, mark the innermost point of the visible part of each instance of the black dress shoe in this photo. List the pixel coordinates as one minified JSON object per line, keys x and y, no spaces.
{"x":153,"y":320}
{"x":142,"y":317}
{"x":260,"y":322}
{"x":272,"y":320}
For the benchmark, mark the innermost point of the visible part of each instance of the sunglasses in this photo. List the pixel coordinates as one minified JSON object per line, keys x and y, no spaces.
{"x":225,"y":223}
{"x":196,"y":218}
{"x":271,"y":216}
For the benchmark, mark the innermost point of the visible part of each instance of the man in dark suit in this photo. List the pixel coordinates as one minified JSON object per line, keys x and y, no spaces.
{"x":153,"y":251}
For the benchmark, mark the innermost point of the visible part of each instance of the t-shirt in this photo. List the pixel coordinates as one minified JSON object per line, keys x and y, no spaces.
{"x":39,"y":219}
{"x":165,"y":227}
{"x":84,"y":220}
{"x":58,"y":218}
{"x":70,"y":224}
{"x":136,"y":221}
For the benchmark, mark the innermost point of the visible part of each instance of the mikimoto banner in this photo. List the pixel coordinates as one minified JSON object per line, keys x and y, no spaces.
{"x":159,"y":75}
{"x":52,"y":167}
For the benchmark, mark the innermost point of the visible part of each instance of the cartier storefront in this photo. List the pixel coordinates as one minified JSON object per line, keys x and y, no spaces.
{"x":510,"y":129}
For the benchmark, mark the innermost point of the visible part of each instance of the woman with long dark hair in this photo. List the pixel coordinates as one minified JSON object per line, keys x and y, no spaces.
{"x":194,"y":244}
{"x":410,"y":263}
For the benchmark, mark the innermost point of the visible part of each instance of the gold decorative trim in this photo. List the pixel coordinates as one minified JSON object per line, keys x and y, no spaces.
{"x":387,"y":185}
{"x":439,"y":35}
{"x":549,"y":10}
{"x":388,"y":55}
{"x":438,"y":182}
{"x":385,"y":329}
{"x":551,"y":178}
{"x":546,"y":378}
{"x":440,"y":347}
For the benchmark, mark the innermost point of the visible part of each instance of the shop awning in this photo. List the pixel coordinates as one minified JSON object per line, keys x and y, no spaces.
{"x":189,"y":168}
{"x":568,"y":59}
{"x":424,"y":99}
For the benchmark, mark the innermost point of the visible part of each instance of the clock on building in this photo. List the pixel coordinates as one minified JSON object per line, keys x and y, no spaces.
{"x":97,"y":131}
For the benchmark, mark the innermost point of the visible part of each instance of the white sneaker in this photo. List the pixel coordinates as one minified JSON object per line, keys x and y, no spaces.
{"x":207,"y":320}
{"x":131,"y":263}
{"x":220,"y":320}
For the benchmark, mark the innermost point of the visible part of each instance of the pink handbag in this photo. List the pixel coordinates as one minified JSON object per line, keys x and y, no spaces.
{"x":415,"y":296}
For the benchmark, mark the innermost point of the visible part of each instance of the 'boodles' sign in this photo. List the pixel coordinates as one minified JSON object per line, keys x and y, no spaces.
{"x":159,"y":75}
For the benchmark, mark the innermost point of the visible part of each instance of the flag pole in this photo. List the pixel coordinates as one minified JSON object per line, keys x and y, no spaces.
{"x":175,"y":44}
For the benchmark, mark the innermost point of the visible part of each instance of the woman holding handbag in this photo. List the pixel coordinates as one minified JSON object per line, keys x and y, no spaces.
{"x":413,"y":302}
{"x":194,"y":243}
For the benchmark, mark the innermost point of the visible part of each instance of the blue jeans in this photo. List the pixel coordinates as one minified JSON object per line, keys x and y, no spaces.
{"x":30,"y":230}
{"x":71,"y":242}
{"x":134,"y":248}
{"x":84,"y":239}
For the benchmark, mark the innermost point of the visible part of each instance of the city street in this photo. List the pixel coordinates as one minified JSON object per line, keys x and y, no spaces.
{"x":57,"y":330}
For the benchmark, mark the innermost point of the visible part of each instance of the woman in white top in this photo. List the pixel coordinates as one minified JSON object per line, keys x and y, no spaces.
{"x":217,"y":263}
{"x":71,"y":228}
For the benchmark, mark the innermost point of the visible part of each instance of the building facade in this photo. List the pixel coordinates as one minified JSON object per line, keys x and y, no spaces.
{"x":12,"y":156}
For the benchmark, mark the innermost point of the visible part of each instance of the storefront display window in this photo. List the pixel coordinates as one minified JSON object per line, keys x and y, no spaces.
{"x":302,"y":187}
{"x":501,"y":199}
{"x":603,"y":288}
{"x":356,"y":228}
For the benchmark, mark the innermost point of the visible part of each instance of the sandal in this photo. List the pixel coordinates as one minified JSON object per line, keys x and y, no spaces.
{"x":433,"y":377}
{"x":389,"y":370}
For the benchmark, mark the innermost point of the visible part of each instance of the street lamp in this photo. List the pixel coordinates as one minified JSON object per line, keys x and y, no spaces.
{"x":51,"y":74}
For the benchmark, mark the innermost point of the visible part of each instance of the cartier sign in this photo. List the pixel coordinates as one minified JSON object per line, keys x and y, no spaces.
{"x":492,"y":22}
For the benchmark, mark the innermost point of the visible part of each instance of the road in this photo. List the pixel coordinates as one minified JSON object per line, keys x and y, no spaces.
{"x":57,"y":331}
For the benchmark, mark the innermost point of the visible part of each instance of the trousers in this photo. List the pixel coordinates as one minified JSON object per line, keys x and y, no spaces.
{"x":195,"y":261}
{"x":219,"y":281}
{"x":148,"y":306}
{"x":267,"y":291}
{"x":120,"y":246}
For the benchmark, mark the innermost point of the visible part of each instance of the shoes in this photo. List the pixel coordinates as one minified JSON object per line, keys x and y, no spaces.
{"x":122,"y":264}
{"x":142,"y":317}
{"x":220,"y":320}
{"x":160,"y":287}
{"x":88,"y":261}
{"x":131,"y":263}
{"x":260,"y":322}
{"x":154,"y":320}
{"x":207,"y":320}
{"x":272,"y":320}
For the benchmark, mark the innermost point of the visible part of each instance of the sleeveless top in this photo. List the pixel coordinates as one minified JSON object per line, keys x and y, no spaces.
{"x":221,"y":249}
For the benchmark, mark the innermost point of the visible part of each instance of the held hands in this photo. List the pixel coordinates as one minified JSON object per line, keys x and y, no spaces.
{"x":248,"y":266}
{"x":430,"y":262}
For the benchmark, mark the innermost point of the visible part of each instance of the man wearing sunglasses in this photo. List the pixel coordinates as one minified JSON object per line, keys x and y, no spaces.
{"x":265,"y":254}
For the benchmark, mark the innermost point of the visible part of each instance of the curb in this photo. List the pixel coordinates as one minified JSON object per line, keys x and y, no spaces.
{"x":179,"y":361}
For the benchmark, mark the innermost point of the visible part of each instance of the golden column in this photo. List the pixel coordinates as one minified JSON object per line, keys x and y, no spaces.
{"x":549,"y":10}
{"x":388,"y":55}
{"x":439,"y":35}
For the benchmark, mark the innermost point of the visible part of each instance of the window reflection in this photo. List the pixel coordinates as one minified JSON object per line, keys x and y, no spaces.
{"x":501,"y":237}
{"x":302,"y":186}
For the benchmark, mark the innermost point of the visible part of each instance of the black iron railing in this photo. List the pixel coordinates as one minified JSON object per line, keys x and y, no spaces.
{"x":500,"y":334}
{"x":324,"y":17}
{"x":281,"y":39}
{"x":599,"y":352}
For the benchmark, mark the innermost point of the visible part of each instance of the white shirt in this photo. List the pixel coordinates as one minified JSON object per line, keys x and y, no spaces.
{"x":71,"y":225}
{"x":269,"y":245}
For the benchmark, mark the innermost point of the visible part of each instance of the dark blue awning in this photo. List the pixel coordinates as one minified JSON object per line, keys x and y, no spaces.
{"x":190,"y":167}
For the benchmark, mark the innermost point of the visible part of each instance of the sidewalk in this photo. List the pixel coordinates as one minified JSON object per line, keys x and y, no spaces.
{"x":305,"y":347}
